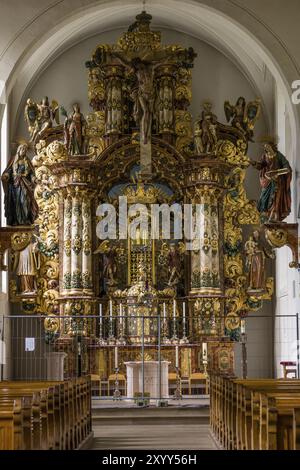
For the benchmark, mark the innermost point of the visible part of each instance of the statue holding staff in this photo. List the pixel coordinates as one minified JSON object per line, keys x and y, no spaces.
{"x":275,"y":176}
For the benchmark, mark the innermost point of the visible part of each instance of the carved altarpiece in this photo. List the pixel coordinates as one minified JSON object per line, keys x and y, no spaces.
{"x":166,"y":168}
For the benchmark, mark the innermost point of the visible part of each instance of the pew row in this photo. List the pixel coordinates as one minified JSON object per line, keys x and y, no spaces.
{"x":45,"y":415}
{"x":255,"y":414}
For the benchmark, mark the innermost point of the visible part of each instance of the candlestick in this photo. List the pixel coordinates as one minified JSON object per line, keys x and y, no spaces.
{"x":174,"y":321}
{"x":184,"y":339}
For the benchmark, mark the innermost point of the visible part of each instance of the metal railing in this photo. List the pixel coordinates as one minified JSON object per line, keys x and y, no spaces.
{"x":101,"y":345}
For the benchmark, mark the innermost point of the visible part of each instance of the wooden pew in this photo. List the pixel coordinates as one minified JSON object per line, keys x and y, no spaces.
{"x":11,"y":425}
{"x":247,"y":414}
{"x":54,"y":415}
{"x":31,"y":415}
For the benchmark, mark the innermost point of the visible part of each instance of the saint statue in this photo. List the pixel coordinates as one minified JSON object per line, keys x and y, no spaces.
{"x":255,"y":262}
{"x":18,"y":182}
{"x":174,"y":260}
{"x":109,"y":266}
{"x":109,"y":261}
{"x":275,"y":176}
{"x":26,"y":263}
{"x":75,"y":130}
{"x":205,"y":131}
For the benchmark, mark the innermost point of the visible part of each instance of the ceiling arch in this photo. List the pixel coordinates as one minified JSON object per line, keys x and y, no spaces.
{"x":212,"y":25}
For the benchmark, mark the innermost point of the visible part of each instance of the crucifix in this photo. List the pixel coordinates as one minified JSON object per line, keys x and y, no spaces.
{"x":142,"y":65}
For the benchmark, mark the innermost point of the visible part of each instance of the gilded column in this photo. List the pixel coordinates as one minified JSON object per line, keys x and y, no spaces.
{"x":76,"y":243}
{"x":205,"y":259}
{"x":165,"y":101}
{"x":205,"y":181}
{"x":87,"y":280}
{"x":66,"y":269}
{"x":114,"y":102}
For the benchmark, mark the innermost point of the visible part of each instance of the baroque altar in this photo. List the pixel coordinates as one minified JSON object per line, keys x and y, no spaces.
{"x":140,"y":144}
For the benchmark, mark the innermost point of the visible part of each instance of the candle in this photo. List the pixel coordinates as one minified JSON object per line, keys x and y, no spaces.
{"x":183,"y":312}
{"x":243,"y":327}
{"x":176,"y":358}
{"x":164,"y":311}
{"x":110,"y":309}
{"x":174,"y":309}
{"x":204,"y":351}
{"x":121,"y":314}
{"x":100,"y":313}
{"x":116,"y":358}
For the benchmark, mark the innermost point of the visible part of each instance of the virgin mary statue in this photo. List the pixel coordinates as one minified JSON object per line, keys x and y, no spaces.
{"x":18,"y":183}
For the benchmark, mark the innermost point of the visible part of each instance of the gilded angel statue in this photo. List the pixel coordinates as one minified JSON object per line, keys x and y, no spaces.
{"x":243,"y":115}
{"x":40,"y":117}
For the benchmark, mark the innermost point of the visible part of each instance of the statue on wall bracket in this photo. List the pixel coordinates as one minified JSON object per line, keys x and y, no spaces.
{"x":275,"y":176}
{"x":256,"y":253}
{"x":18,"y":181}
{"x":26,"y":263}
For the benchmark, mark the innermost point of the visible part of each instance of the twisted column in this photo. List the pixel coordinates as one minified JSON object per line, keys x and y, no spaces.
{"x":165,"y":102}
{"x":205,"y":259}
{"x":66,"y":269}
{"x":76,"y":248}
{"x":87,"y":282}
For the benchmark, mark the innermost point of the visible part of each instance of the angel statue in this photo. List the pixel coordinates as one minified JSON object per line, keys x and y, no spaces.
{"x":243,"y":116}
{"x":75,"y":131}
{"x":39,"y":117}
{"x":275,"y":176}
{"x":256,"y":255}
{"x":18,"y":181}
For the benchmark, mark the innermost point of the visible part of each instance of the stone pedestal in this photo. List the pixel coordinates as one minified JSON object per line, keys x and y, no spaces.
{"x":55,"y":365}
{"x":134,"y":372}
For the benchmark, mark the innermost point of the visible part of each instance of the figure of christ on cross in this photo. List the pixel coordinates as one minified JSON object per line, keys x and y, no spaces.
{"x":144,"y":94}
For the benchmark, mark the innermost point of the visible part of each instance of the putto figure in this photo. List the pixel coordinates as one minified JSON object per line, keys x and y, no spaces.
{"x":40,"y":117}
{"x":275,"y":176}
{"x":75,"y":131}
{"x":18,"y":181}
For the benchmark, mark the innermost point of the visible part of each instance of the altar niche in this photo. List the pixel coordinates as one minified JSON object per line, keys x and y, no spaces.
{"x":158,"y":300}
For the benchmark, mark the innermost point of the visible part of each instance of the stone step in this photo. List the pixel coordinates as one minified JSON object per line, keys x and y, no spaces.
{"x":152,"y":415}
